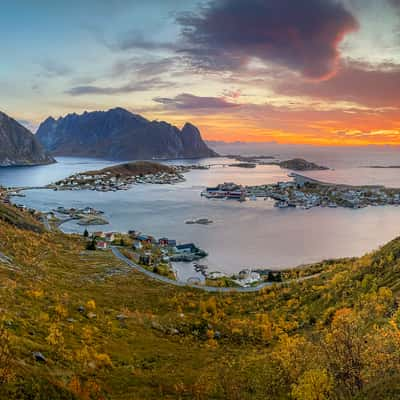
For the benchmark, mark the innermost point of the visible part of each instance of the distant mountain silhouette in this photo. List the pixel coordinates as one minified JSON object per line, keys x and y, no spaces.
{"x":120,"y":135}
{"x":18,"y":146}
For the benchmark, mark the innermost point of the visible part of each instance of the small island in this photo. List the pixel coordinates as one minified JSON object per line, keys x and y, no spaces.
{"x":299,"y":164}
{"x":244,"y":165}
{"x":249,"y":159}
{"x":294,"y":164}
{"x":383,"y":166}
{"x":122,"y":177}
{"x":87,"y":216}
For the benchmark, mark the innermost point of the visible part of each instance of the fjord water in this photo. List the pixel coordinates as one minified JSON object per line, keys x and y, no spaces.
{"x":251,"y":234}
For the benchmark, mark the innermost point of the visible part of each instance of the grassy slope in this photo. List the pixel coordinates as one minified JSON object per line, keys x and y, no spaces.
{"x":18,"y":218}
{"x":164,"y":346}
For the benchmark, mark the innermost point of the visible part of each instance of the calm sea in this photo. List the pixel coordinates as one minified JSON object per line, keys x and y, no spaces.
{"x":251,"y":234}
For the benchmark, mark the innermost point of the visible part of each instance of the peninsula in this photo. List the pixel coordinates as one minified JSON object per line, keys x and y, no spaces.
{"x":304,"y":192}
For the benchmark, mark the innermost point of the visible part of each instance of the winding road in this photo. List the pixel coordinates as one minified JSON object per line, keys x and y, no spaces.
{"x":164,"y":279}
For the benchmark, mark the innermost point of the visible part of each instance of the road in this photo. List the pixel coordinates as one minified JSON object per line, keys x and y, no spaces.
{"x":46,"y":223}
{"x":164,"y":279}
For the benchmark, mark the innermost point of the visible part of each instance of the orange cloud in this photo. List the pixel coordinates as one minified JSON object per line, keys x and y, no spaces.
{"x":253,"y":123}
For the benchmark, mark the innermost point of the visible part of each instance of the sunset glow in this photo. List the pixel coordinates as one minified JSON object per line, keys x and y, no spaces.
{"x":316,"y":72}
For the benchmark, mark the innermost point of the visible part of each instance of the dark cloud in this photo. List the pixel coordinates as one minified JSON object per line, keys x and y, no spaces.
{"x":355,"y":82}
{"x":301,"y":35}
{"x":186,"y":101}
{"x":140,"y":86}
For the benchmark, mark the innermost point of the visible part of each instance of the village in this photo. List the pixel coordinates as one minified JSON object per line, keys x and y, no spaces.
{"x":156,"y":255}
{"x":108,"y":182}
{"x":306,"y":193}
{"x":159,"y":255}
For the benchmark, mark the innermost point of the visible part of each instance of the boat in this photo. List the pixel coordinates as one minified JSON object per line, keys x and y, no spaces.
{"x":200,"y":221}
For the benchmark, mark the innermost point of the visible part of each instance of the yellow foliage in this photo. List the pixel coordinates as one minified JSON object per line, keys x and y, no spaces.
{"x":44,"y":317}
{"x":313,"y":385}
{"x":210,"y":334}
{"x":91,"y":305}
{"x":103,"y":360}
{"x":61,"y":311}
{"x":55,"y":336}
{"x":36,"y":293}
{"x":6,"y":366}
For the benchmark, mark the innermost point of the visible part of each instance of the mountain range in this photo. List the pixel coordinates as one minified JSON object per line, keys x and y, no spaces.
{"x":118,"y":134}
{"x":18,"y":146}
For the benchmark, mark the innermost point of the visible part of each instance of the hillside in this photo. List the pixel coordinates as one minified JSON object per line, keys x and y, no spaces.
{"x":118,"y":134}
{"x":19,"y":219}
{"x":79,"y":324}
{"x":18,"y":146}
{"x":133,"y":169}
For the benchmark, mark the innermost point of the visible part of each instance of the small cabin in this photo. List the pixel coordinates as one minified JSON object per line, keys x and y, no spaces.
{"x":145,"y":239}
{"x":165,"y":242}
{"x":110,"y":237}
{"x":102,"y":245}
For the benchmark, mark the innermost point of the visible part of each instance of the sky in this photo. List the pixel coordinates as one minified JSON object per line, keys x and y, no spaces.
{"x":322,"y":72}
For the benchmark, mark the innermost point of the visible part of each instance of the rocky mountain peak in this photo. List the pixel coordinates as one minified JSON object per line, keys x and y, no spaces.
{"x":18,"y":146}
{"x":119,"y":134}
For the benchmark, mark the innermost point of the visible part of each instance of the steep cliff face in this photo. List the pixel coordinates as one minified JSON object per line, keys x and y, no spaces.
{"x":18,"y":146}
{"x":120,"y":135}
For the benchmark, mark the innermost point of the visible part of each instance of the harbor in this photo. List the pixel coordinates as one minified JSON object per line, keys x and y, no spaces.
{"x":306,"y":193}
{"x":251,"y":235}
{"x":174,"y":260}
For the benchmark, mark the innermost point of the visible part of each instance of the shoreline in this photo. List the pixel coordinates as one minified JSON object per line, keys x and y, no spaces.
{"x":217,"y":263}
{"x":217,"y":289}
